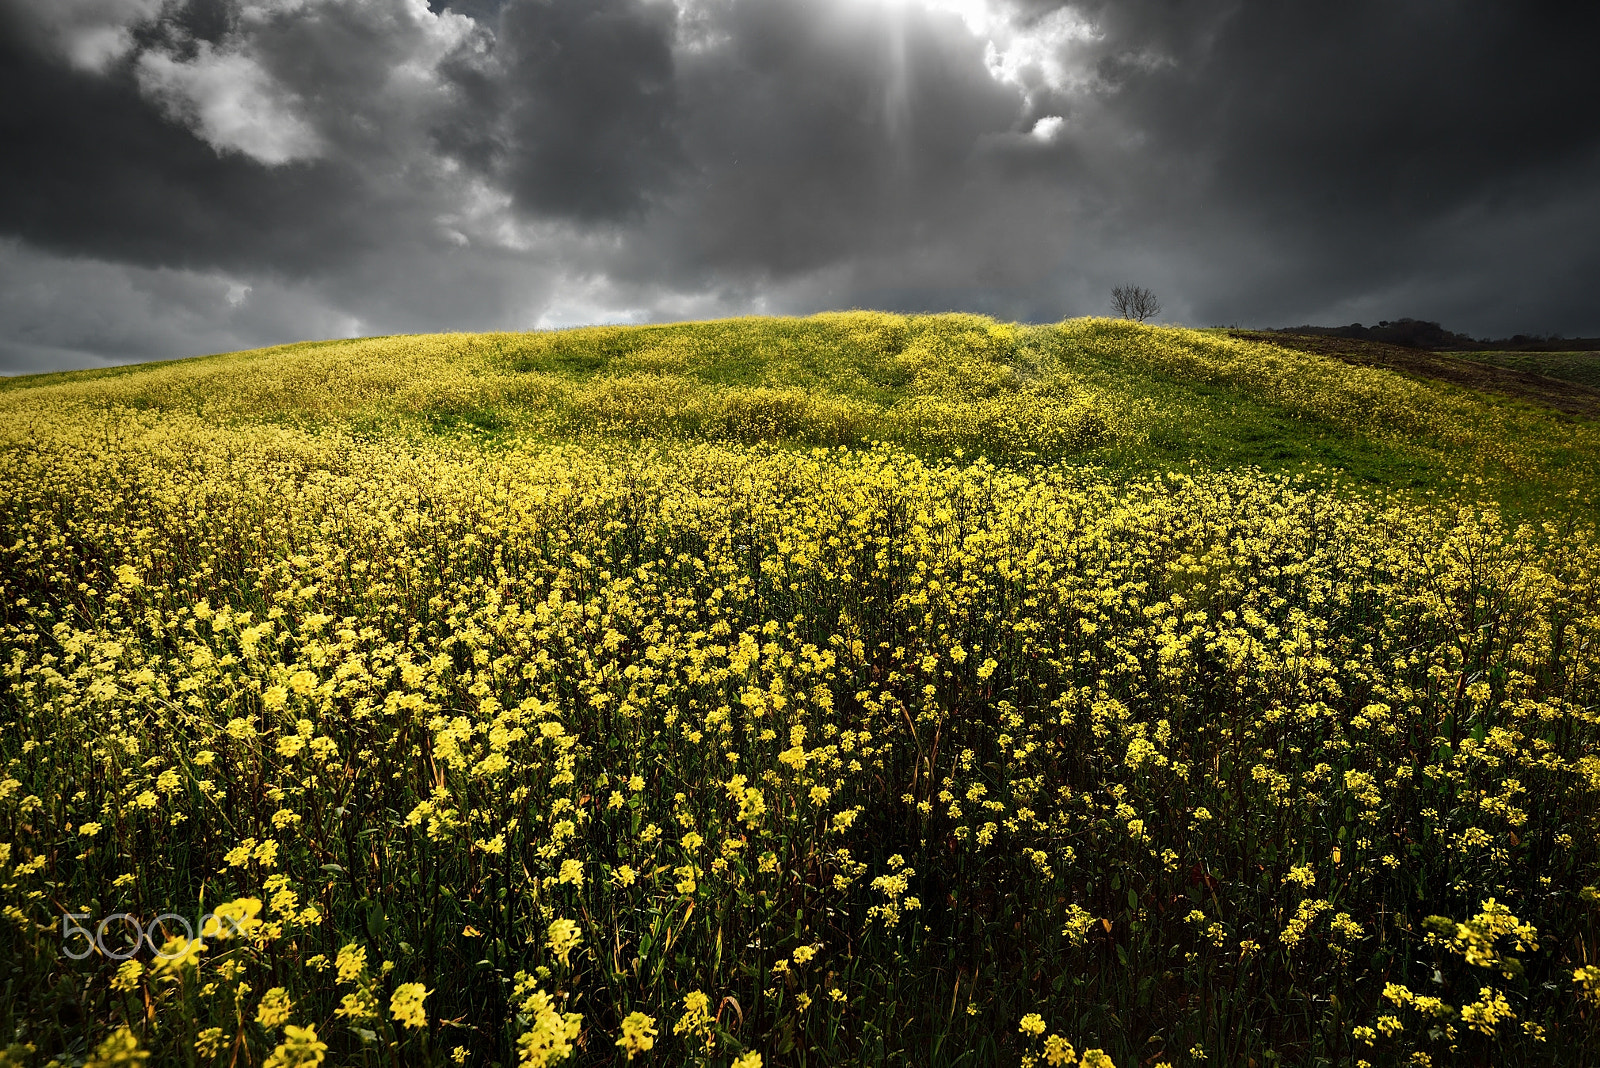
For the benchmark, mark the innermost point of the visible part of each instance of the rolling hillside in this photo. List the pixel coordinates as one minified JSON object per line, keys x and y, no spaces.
{"x":1096,"y":391}
{"x":858,"y":689}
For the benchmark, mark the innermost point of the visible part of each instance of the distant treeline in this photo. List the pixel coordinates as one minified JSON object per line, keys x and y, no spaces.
{"x":1420,"y":334}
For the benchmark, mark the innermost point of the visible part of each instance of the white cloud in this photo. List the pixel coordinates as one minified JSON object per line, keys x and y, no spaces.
{"x":239,"y":95}
{"x":89,"y":34}
{"x":265,"y":10}
{"x":1047,"y":128}
{"x":1040,"y":52}
{"x":229,"y":101}
{"x":1021,"y":51}
{"x":698,"y":29}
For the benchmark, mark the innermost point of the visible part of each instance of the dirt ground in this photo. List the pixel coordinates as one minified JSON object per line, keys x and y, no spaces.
{"x":1569,"y":397}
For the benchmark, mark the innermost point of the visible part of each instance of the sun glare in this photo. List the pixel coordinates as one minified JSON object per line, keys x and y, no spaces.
{"x":1028,"y":53}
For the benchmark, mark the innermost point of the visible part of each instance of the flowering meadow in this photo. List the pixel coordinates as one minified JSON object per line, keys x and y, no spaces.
{"x":849,"y":690}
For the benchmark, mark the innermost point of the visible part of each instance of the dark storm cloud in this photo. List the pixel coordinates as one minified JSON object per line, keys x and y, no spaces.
{"x":1368,"y":144}
{"x":825,"y":134}
{"x":591,"y":105}
{"x":94,"y":168}
{"x":218,"y":172}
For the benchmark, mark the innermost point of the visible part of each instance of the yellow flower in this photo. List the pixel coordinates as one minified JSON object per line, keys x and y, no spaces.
{"x":1302,"y":876}
{"x":239,"y":855}
{"x":285,"y":901}
{"x":351,"y":962}
{"x":696,"y":1020}
{"x":748,"y":1059}
{"x":237,"y":917}
{"x":359,"y":1006}
{"x":752,"y":806}
{"x":406,"y":1005}
{"x":1058,"y":1051}
{"x":128,"y":974}
{"x":120,"y":1050}
{"x":549,"y":1038}
{"x":300,"y":1048}
{"x":638,"y":1033}
{"x":1488,"y":1012}
{"x":208,"y":1043}
{"x":563,"y":937}
{"x":1078,"y":924}
{"x":1032,"y":1024}
{"x":178,"y":953}
{"x":1588,"y":980}
{"x":273,"y":1011}
{"x":572,"y":872}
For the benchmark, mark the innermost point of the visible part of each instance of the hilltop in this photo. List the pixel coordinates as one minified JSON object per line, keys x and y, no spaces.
{"x":1094,"y":391}
{"x":1425,"y":334}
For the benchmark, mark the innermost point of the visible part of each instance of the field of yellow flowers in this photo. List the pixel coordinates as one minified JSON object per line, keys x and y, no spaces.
{"x":852,"y":690}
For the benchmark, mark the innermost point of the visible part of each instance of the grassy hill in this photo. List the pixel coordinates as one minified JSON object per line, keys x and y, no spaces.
{"x":858,"y":689}
{"x":1096,"y":391}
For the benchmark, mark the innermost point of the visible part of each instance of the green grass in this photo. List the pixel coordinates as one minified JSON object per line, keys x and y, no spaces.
{"x":1580,"y":367}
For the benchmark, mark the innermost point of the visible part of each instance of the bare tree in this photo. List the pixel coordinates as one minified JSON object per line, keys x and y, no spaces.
{"x":1134,"y":302}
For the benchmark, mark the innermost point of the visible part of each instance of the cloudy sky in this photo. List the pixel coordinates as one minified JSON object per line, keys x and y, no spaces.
{"x":188,"y":176}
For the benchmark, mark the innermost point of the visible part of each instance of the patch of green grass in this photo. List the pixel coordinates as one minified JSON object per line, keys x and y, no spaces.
{"x":1580,"y":367}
